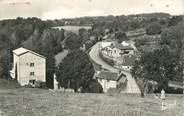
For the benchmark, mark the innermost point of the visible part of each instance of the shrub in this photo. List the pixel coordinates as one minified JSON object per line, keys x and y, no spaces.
{"x":93,"y":87}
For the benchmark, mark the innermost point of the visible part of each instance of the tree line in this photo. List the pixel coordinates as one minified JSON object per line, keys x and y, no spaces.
{"x":163,"y":64}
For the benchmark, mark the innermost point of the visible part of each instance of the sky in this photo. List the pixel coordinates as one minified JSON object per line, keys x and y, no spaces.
{"x":57,"y":9}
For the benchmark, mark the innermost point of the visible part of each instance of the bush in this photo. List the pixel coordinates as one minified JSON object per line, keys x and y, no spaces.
{"x":93,"y":87}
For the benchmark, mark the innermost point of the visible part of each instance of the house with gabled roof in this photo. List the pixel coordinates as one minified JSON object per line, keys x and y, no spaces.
{"x":28,"y":67}
{"x":110,"y":79}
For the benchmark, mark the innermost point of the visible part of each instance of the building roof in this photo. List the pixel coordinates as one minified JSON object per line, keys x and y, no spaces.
{"x":105,"y":44}
{"x":122,"y":47}
{"x":127,"y":60}
{"x":20,"y":51}
{"x":176,"y":84}
{"x":109,"y":75}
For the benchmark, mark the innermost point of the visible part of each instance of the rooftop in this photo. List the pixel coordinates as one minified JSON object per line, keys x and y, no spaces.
{"x":176,"y":84}
{"x":109,"y":75}
{"x":20,"y":51}
{"x":127,"y":60}
{"x":122,"y":47}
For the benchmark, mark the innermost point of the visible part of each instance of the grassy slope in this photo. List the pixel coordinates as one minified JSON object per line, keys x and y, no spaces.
{"x":10,"y":84}
{"x":32,"y":102}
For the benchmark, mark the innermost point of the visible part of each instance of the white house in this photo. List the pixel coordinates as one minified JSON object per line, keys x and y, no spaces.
{"x":116,"y":49}
{"x":110,"y":79}
{"x":28,"y":66}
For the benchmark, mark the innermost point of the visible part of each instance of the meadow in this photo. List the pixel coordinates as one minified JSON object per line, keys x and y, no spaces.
{"x":39,"y":102}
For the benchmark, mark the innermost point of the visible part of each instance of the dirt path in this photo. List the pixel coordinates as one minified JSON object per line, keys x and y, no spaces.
{"x":132,"y":86}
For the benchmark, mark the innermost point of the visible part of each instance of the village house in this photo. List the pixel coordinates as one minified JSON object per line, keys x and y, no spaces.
{"x":28,"y":67}
{"x":110,"y":79}
{"x":116,"y":49}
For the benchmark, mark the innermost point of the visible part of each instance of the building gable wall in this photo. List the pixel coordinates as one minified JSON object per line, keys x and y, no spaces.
{"x":25,"y":68}
{"x":107,"y":84}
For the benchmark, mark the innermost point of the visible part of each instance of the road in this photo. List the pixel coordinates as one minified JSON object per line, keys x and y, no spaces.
{"x":132,"y":86}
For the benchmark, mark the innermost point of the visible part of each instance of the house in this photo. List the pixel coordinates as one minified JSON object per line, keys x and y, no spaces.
{"x":116,"y":49}
{"x":126,"y":62}
{"x":110,"y":79}
{"x":28,"y":67}
{"x":122,"y":48}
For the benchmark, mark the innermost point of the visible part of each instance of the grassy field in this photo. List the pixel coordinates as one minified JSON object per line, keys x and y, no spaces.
{"x":37,"y":102}
{"x":72,"y":28}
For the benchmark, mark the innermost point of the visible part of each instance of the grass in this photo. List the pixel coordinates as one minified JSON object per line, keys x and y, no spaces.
{"x":38,"y":102}
{"x":73,"y":29}
{"x":10,"y":84}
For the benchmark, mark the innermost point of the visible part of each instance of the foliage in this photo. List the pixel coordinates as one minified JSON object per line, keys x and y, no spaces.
{"x":84,"y":35}
{"x":154,"y":28}
{"x":174,"y":20}
{"x":121,"y":36}
{"x":160,"y":66}
{"x":75,"y":70}
{"x":5,"y":66}
{"x":165,"y":63}
{"x":173,"y":38}
{"x":53,"y":38}
{"x":5,"y":57}
{"x":73,"y":41}
{"x":93,"y":86}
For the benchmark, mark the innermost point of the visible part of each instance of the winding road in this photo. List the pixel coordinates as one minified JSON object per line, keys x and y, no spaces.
{"x":132,"y":86}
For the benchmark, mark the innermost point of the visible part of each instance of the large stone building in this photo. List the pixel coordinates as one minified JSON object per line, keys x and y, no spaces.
{"x":28,"y":67}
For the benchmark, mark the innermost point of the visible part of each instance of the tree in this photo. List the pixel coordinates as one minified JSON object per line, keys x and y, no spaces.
{"x":154,"y":28}
{"x":5,"y":62}
{"x":75,"y":70}
{"x":98,"y":29}
{"x":73,"y":41}
{"x":50,"y":66}
{"x":121,"y":36}
{"x":173,"y":38}
{"x":93,"y":86}
{"x":54,"y":37}
{"x":159,"y":66}
{"x":175,"y":20}
{"x":84,"y":35}
{"x":34,"y":42}
{"x":5,"y":56}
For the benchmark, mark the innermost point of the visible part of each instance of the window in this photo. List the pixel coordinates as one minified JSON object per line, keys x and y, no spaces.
{"x":115,"y":51}
{"x":31,"y":64}
{"x":31,"y":73}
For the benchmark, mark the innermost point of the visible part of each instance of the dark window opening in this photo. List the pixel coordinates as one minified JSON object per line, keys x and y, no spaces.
{"x":31,"y":73}
{"x":31,"y":64}
{"x":32,"y":81}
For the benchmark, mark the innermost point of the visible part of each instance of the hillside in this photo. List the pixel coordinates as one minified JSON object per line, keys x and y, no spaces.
{"x":34,"y":102}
